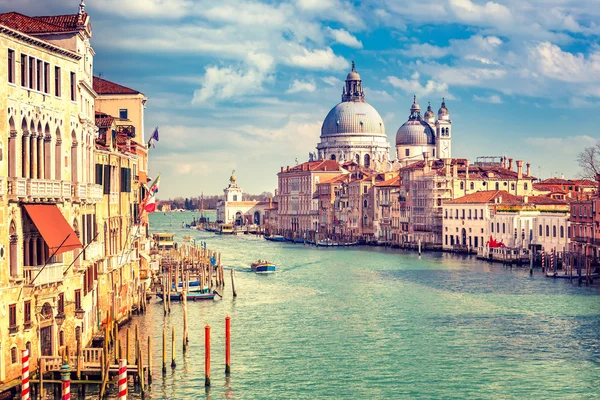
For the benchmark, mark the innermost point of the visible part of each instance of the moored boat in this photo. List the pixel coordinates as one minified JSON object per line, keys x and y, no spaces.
{"x":275,"y":238}
{"x":190,"y":296}
{"x":263,"y":267}
{"x":327,"y":243}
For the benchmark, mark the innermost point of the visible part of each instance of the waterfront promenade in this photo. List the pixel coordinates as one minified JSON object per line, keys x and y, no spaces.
{"x":379,"y":323}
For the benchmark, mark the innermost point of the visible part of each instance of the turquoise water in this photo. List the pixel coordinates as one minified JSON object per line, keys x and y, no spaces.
{"x":378,"y":323}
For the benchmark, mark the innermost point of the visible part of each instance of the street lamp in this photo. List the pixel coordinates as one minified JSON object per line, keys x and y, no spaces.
{"x":59,"y":318}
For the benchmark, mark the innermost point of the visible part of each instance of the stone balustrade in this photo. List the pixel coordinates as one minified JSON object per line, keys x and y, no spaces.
{"x":40,"y":275}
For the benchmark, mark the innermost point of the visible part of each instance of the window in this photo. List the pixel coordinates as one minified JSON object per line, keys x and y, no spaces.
{"x":407,"y":152}
{"x":541,"y":233}
{"x":492,"y":227}
{"x":525,"y":186}
{"x":13,"y":355}
{"x":446,"y":214}
{"x":12,"y":318}
{"x":472,"y":186}
{"x":38,"y":77}
{"x":73,"y":91}
{"x":57,"y":82}
{"x":61,"y":303}
{"x":46,"y":77}
{"x":235,"y":197}
{"x":123,"y":113}
{"x":562,"y":231}
{"x":462,"y":186}
{"x":547,"y":231}
{"x":31,"y":72}
{"x":27,"y":313}
{"x":503,"y":227}
{"x":498,"y":227}
{"x":470,"y":213}
{"x":365,"y":203}
{"x":463,"y":214}
{"x":497,"y":185}
{"x":554,"y":231}
{"x":78,"y":299}
{"x":481,"y":214}
{"x":512,"y":186}
{"x":11,"y":66}
{"x":23,"y":70}
{"x":61,"y":338}
{"x":365,"y":189}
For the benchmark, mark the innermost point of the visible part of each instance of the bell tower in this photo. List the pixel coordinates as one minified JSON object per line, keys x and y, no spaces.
{"x":443,"y":132}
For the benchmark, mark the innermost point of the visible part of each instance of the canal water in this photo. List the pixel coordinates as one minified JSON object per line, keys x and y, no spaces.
{"x":357,"y":323}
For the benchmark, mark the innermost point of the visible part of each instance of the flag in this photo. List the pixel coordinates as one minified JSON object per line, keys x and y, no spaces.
{"x":153,"y":138}
{"x":150,"y":205}
{"x":154,"y":187}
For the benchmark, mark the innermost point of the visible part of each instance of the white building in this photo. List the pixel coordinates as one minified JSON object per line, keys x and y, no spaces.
{"x":424,"y":134}
{"x":353,"y":130}
{"x":232,"y":209}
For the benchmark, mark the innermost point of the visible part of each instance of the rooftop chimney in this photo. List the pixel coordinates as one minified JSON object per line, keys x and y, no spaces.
{"x":519,"y":169}
{"x":510,"y":161}
{"x":528,"y":169}
{"x":447,"y":167}
{"x":281,"y":168}
{"x":466,"y":170}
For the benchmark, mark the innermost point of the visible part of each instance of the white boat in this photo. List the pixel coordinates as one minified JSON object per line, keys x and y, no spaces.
{"x":327,"y":243}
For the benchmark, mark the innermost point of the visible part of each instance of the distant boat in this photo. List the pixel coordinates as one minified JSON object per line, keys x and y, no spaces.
{"x":327,"y":243}
{"x":275,"y":238}
{"x":263,"y":267}
{"x":192,"y":296}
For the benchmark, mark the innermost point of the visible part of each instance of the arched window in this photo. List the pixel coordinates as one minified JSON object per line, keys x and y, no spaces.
{"x":365,"y":203}
{"x":333,"y":156}
{"x":553,"y":230}
{"x":357,"y":158}
{"x":365,"y":220}
{"x":541,"y":233}
{"x":462,"y":186}
{"x":367,"y":161}
{"x":503,"y":227}
{"x":446,"y":214}
{"x":47,"y":156}
{"x":497,"y":185}
{"x":498,"y":227}
{"x":492,"y":227}
{"x":562,"y":231}
{"x":13,"y":250}
{"x":547,"y":230}
{"x":24,"y":149}
{"x":472,"y":186}
{"x":12,"y":149}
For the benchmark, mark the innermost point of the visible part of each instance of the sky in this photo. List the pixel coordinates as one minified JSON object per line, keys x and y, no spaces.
{"x":245,"y":85}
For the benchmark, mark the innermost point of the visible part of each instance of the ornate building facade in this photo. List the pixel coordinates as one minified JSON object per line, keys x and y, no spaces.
{"x":353,"y":130}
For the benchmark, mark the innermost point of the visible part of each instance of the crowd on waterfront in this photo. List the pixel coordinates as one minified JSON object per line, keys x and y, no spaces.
{"x":73,"y":244}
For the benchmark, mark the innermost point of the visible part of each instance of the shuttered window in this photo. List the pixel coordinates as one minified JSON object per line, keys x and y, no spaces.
{"x":106,"y":180}
{"x":99,"y":174}
{"x":126,"y":180}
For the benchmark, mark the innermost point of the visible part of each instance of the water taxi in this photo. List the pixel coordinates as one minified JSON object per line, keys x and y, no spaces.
{"x":263,"y":267}
{"x":190,"y":296}
{"x":164,"y":241}
{"x":226,"y":229}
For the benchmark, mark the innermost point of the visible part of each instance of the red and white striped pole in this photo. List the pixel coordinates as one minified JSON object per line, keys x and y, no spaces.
{"x":122,"y":379}
{"x":552,"y":260}
{"x":25,"y":373}
{"x":65,"y":377}
{"x":543,"y":259}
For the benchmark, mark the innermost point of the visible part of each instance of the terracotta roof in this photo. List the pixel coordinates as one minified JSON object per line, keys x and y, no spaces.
{"x":337,"y":179}
{"x":585,"y":182}
{"x":102,"y":86}
{"x":104,"y":120}
{"x":322,"y":165}
{"x":486,"y":196}
{"x":42,"y":24}
{"x":548,"y":188}
{"x":395,"y":181}
{"x":556,"y":181}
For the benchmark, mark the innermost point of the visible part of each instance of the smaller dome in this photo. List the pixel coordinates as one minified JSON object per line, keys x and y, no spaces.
{"x":353,"y":76}
{"x":415,"y":106}
{"x":429,"y":113}
{"x":415,"y":133}
{"x":443,"y":110}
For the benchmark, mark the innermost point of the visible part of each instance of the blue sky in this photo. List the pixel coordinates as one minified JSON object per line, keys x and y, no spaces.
{"x":245,"y":85}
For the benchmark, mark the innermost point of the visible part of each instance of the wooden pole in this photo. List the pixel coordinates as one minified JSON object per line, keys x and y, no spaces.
{"x":233,"y":282}
{"x":78,"y":358}
{"x":42,"y":367}
{"x":164,"y":349}
{"x":227,"y":345}
{"x":173,"y":364}
{"x":207,"y":355}
{"x":164,"y":292}
{"x":184,"y":301}
{"x":149,"y":360}
{"x":137,"y":342}
{"x":140,"y":365}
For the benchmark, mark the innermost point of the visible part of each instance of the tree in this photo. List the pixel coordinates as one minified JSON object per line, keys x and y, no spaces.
{"x":589,"y":161}
{"x":187,"y":204}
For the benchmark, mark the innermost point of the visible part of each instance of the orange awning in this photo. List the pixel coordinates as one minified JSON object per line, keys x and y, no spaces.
{"x":53,"y":227}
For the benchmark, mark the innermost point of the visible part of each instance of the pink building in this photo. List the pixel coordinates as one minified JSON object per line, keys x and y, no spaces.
{"x":584,"y":231}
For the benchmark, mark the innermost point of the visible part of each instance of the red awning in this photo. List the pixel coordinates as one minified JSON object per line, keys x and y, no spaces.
{"x":53,"y":227}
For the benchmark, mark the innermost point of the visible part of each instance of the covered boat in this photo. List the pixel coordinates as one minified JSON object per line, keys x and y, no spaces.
{"x":263,"y":267}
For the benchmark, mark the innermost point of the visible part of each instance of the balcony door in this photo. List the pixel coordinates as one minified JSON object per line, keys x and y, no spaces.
{"x":46,"y":341}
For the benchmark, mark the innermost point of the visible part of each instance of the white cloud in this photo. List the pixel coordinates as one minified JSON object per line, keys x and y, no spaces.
{"x":414,"y":86}
{"x":555,"y":63}
{"x":301,"y":86}
{"x":318,"y":60}
{"x":332,"y":80}
{"x":493,"y":99}
{"x":344,"y":37}
{"x":466,"y":10}
{"x":425,"y":50}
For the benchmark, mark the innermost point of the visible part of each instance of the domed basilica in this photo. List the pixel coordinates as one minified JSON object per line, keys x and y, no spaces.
{"x":354,"y":131}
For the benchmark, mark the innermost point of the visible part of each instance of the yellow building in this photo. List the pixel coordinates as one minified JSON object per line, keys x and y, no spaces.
{"x":48,"y":196}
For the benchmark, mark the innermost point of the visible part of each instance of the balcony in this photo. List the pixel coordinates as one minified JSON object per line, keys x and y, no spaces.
{"x":66,"y":189}
{"x":87,"y":192}
{"x":17,"y":188}
{"x":44,"y":189}
{"x":41,"y":276}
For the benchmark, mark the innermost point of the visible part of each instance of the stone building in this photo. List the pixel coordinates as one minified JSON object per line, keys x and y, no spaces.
{"x":48,"y":197}
{"x":233,"y":209}
{"x":584,"y":230}
{"x":353,"y":130}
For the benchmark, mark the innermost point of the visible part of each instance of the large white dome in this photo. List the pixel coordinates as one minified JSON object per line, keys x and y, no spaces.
{"x":353,"y":118}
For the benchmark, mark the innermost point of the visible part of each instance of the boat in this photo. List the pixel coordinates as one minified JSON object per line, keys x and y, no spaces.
{"x":263,"y":267}
{"x":275,"y":238}
{"x":163,"y":241}
{"x":226,"y":229}
{"x":351,"y":244}
{"x":327,"y":243}
{"x":190,"y":296}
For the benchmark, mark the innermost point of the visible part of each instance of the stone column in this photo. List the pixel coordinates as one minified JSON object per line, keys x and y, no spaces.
{"x":33,"y":159}
{"x":40,"y":145}
{"x":26,"y":243}
{"x":48,"y":157}
{"x":25,"y":155}
{"x":58,"y":161}
{"x":41,"y":252}
{"x":12,"y":154}
{"x":34,"y":247}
